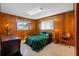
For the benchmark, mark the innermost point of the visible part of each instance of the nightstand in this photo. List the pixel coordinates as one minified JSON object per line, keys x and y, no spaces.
{"x":56,"y":38}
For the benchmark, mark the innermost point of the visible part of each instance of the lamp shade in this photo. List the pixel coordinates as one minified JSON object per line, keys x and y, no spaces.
{"x":56,"y":30}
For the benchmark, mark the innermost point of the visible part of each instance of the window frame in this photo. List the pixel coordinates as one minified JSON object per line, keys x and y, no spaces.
{"x":53,"y":26}
{"x":25,"y":21}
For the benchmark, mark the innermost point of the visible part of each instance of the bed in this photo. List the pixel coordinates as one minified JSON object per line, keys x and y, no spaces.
{"x":37,"y":43}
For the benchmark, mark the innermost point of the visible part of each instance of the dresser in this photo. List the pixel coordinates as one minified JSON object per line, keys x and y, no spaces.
{"x":9,"y":45}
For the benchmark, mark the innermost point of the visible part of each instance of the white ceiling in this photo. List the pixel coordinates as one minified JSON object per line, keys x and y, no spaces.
{"x":22,"y":9}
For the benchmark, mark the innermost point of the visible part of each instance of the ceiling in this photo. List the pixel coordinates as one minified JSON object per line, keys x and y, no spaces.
{"x":22,"y":9}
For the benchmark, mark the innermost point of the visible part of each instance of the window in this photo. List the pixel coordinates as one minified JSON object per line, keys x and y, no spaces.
{"x":47,"y":25}
{"x":23,"y":25}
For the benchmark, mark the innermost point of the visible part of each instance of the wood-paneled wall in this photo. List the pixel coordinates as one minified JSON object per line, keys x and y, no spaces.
{"x":11,"y":20}
{"x":70,"y":26}
{"x":64,"y":22}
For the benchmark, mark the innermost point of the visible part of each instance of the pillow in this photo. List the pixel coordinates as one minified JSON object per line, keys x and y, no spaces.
{"x":44,"y":33}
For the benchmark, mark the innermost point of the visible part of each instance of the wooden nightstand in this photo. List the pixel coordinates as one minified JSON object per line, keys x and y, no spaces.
{"x":56,"y":38}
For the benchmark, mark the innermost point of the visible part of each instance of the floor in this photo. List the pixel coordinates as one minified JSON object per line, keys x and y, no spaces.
{"x":50,"y":50}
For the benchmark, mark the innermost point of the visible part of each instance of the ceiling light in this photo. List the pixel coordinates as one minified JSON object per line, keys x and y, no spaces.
{"x":34,"y":11}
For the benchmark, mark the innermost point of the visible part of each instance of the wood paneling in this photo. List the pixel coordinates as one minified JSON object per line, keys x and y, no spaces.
{"x":11,"y":20}
{"x":70,"y":26}
{"x":65,"y":23}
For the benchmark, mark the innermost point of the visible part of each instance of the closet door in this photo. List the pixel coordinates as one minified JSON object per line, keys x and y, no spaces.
{"x":77,"y":29}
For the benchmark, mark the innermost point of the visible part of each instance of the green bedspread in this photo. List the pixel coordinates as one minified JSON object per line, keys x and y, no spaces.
{"x":37,"y":43}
